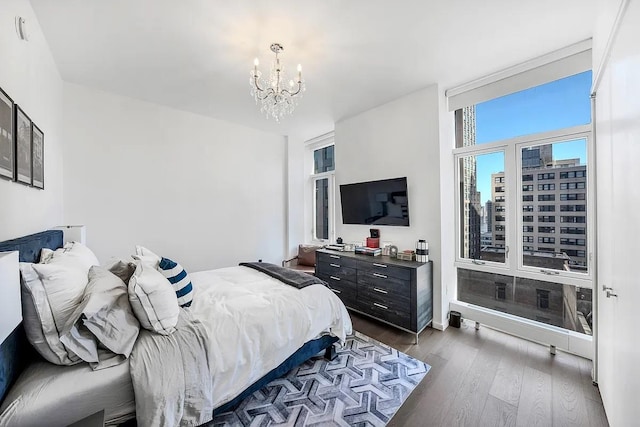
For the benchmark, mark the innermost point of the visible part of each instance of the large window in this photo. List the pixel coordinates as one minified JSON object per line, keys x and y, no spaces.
{"x":322,"y":187}
{"x":522,"y":164}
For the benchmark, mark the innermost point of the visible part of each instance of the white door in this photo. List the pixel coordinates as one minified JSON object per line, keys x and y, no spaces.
{"x":618,"y":209}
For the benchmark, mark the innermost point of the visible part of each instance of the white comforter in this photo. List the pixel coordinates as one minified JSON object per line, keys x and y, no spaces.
{"x":241,"y":325}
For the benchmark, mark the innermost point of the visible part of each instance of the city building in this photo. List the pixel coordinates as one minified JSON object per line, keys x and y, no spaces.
{"x":488,"y":216}
{"x":466,"y":129}
{"x":554,"y":216}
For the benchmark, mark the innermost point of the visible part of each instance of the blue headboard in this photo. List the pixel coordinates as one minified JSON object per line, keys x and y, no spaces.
{"x":16,"y":351}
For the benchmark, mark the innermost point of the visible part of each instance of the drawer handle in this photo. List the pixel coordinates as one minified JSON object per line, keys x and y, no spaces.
{"x":335,"y":278}
{"x":382,"y":291}
{"x":336,"y":291}
{"x":382,"y":276}
{"x":335,"y":256}
{"x":381,"y":306}
{"x":380,"y":265}
{"x":335,"y":265}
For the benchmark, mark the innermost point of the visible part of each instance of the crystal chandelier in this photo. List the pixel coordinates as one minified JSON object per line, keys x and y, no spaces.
{"x":276,"y":99}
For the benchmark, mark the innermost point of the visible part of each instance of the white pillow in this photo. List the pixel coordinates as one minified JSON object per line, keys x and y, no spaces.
{"x":103,"y":317}
{"x":45,"y":255}
{"x":147,"y":256}
{"x":153,"y":299}
{"x":64,"y":286}
{"x":38,"y":321}
{"x":73,"y":254}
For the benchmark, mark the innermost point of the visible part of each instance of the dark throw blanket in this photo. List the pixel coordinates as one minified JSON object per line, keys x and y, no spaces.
{"x":294,"y":278}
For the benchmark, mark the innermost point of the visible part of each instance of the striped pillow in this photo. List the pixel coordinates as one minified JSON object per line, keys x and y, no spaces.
{"x":179,"y":279}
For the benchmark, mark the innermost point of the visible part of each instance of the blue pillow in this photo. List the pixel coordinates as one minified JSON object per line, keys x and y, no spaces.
{"x":179,"y":279}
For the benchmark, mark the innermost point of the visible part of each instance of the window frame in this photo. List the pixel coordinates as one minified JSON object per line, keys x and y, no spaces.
{"x":311,"y":146}
{"x":561,"y":276}
{"x":514,"y":260}
{"x":473,"y":150}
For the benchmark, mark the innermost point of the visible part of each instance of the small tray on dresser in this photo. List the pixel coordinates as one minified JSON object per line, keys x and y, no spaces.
{"x":406,"y":257}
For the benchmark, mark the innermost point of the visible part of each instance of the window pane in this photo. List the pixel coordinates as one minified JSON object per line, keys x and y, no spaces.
{"x":559,"y":185}
{"x":565,"y":306}
{"x":482,"y":207}
{"x":322,"y":209}
{"x":555,"y":105}
{"x":323,"y":160}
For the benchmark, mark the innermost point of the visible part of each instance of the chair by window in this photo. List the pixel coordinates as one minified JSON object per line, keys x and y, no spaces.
{"x":305,"y":260}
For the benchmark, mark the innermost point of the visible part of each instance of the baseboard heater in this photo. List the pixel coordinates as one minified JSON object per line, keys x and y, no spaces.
{"x":563,"y":339}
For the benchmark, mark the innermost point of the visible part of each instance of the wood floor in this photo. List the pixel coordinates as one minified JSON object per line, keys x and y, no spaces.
{"x":487,"y":378}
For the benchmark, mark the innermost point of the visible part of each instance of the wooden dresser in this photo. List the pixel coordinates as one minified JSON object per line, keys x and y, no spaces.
{"x":393,"y":291}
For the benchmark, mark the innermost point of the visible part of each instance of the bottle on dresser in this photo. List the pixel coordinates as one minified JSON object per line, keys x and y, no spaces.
{"x":422,"y":251}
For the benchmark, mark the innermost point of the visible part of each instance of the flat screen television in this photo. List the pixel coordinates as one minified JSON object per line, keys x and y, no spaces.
{"x":382,"y":202}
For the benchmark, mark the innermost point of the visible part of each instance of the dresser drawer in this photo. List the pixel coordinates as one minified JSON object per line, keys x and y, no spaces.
{"x":383,"y":310}
{"x":344,"y":289}
{"x":384,"y":269}
{"x":348,"y":298}
{"x":391,"y":285}
{"x":337,"y":270}
{"x":336,"y":282}
{"x":331,"y":258}
{"x":395,"y":301}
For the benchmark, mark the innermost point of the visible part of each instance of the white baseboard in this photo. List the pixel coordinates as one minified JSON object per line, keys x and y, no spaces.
{"x":439,"y":326}
{"x":563,"y":339}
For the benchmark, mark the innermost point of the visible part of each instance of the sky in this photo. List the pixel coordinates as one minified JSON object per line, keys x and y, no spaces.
{"x":556,"y":105}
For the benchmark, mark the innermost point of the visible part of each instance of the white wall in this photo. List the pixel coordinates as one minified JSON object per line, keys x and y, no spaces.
{"x":30,"y":77}
{"x":297,"y":209}
{"x":205,"y":192}
{"x":448,"y":221}
{"x":397,"y":139}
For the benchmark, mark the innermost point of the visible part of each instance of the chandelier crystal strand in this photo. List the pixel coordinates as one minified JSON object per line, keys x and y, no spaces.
{"x":277,"y":98}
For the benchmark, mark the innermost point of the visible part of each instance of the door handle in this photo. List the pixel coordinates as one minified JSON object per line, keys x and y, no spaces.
{"x":608,"y":292}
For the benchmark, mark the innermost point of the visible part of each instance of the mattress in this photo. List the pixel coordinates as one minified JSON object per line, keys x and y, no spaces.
{"x":53,"y":395}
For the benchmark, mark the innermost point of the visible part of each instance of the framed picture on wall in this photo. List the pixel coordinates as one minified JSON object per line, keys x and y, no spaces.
{"x":37,"y":157}
{"x":7,"y":158}
{"x":23,"y":146}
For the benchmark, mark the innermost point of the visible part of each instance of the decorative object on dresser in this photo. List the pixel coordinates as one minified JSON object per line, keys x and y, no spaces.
{"x":422,"y":251}
{"x":365,"y":250}
{"x":393,"y":291}
{"x":393,"y":251}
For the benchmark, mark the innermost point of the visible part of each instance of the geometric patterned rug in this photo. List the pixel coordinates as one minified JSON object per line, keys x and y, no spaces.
{"x":363,"y":386}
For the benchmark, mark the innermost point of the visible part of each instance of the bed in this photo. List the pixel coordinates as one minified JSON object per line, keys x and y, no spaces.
{"x":30,"y":387}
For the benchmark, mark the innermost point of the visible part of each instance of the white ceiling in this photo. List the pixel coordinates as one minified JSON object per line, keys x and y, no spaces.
{"x":195,"y":55}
